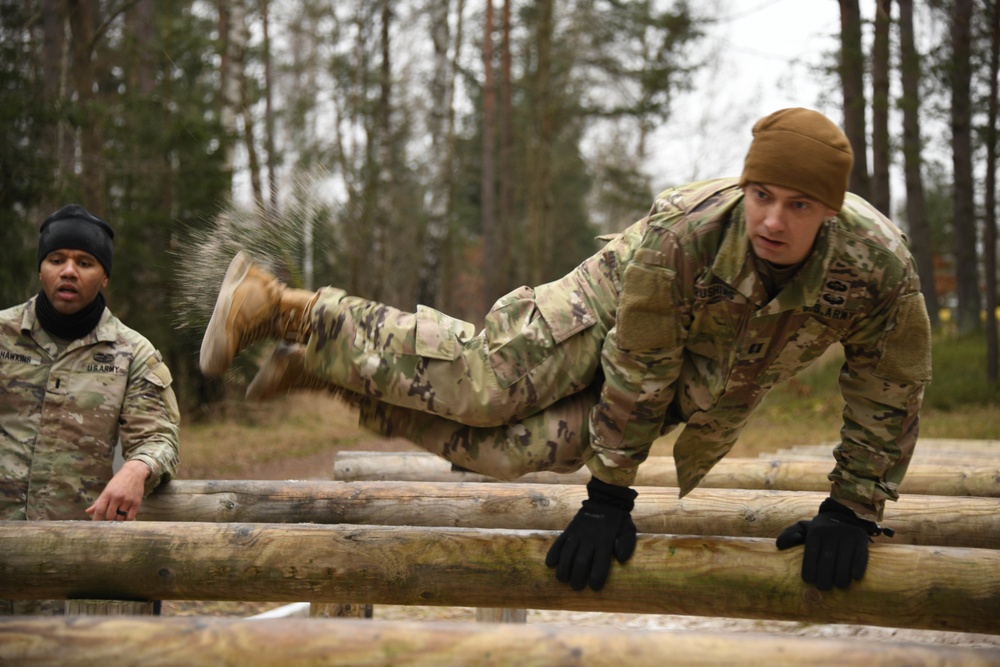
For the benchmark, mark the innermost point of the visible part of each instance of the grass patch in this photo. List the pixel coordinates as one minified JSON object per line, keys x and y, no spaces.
{"x":959,"y":368}
{"x":959,"y":403}
{"x":300,"y":425}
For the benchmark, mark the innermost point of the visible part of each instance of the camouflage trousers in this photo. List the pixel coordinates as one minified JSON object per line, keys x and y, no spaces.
{"x":512,"y":399}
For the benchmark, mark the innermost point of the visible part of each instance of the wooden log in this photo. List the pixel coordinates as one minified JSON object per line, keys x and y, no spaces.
{"x":960,"y":444}
{"x":939,"y":588}
{"x":729,"y":473}
{"x":194,"y":642}
{"x":925,"y":446}
{"x":922,"y":457}
{"x":928,"y":520}
{"x":948,"y":460}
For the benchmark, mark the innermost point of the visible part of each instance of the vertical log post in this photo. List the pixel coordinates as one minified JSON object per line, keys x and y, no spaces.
{"x":111,"y":607}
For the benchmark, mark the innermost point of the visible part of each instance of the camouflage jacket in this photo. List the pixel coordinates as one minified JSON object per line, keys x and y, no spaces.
{"x":61,"y":415}
{"x":697,"y":341}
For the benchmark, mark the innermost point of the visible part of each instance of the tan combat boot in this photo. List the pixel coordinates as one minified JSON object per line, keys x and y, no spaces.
{"x":283,"y":371}
{"x":252,"y":305}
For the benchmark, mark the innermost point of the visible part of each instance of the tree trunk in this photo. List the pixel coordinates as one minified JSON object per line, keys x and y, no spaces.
{"x":385,"y":168}
{"x":508,"y":223}
{"x":881,"y":155}
{"x":360,"y":239}
{"x":958,"y":588}
{"x":441,"y":160}
{"x":921,"y":243}
{"x":55,"y":68}
{"x":233,"y":28}
{"x":507,"y":176}
{"x":990,"y":221}
{"x":540,"y":150}
{"x":250,"y":141}
{"x":487,"y":187}
{"x":966,"y":270}
{"x":91,"y":161}
{"x":450,"y":251}
{"x":272,"y":155}
{"x":852,"y":77}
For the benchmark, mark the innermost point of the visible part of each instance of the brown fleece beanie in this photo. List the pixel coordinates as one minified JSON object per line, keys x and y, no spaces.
{"x":803,"y":150}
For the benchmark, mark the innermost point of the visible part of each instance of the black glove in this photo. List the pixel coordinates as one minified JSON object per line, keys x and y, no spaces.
{"x":602,"y":527}
{"x":836,"y":545}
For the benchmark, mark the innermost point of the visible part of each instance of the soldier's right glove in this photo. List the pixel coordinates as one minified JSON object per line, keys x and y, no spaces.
{"x":836,"y":545}
{"x":601,"y":528}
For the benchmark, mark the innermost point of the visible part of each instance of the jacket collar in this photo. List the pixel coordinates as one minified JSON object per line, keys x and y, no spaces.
{"x":104,"y":332}
{"x":734,"y":266}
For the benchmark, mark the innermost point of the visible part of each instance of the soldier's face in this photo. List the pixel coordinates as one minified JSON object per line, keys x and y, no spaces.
{"x":782,"y":224}
{"x":71,"y":279}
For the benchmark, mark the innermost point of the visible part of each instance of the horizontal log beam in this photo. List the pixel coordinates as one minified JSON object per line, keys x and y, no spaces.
{"x":729,"y":473}
{"x":956,"y":447}
{"x":927,"y":520}
{"x":939,"y":588}
{"x":79,"y":642}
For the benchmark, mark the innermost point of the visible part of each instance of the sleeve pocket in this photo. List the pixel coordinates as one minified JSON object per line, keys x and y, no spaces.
{"x":906,"y":352}
{"x":157,"y":373}
{"x":645,"y":311}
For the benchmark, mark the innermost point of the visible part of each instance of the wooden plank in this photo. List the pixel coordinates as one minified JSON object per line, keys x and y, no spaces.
{"x":729,"y":473}
{"x":939,"y":588}
{"x":929,"y":520}
{"x":197,"y":642}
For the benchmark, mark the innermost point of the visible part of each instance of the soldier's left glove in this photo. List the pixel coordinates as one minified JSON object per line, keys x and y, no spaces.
{"x":601,"y":528}
{"x":836,"y":545}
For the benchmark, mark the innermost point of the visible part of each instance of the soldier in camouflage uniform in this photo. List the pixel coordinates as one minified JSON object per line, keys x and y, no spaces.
{"x":726,"y":288}
{"x":74,"y":382}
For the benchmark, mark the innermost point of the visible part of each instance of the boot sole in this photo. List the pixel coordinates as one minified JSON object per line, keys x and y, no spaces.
{"x":214,"y":359}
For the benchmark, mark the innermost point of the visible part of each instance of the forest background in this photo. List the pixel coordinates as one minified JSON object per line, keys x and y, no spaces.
{"x":443,"y":152}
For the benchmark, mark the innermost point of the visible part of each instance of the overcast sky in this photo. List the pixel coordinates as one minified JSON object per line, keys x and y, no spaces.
{"x":764,"y":54}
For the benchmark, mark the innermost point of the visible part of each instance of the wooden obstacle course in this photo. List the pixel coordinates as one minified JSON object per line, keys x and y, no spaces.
{"x":939,"y":588}
{"x":197,"y":642}
{"x":490,"y":561}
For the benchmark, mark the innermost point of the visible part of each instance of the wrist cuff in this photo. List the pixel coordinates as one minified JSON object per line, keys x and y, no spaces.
{"x":831,"y":506}
{"x":621,"y":497}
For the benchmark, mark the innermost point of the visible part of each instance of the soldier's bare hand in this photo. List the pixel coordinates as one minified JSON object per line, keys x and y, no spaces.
{"x":122,"y":496}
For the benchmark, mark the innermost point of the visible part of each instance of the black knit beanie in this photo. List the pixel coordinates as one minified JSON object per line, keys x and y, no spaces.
{"x":803,"y":150}
{"x":74,"y":228}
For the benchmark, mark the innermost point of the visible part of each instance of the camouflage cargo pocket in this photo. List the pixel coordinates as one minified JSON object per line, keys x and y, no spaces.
{"x":425,"y":333}
{"x":526,"y":326}
{"x":440,"y":336}
{"x":645,"y":318}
